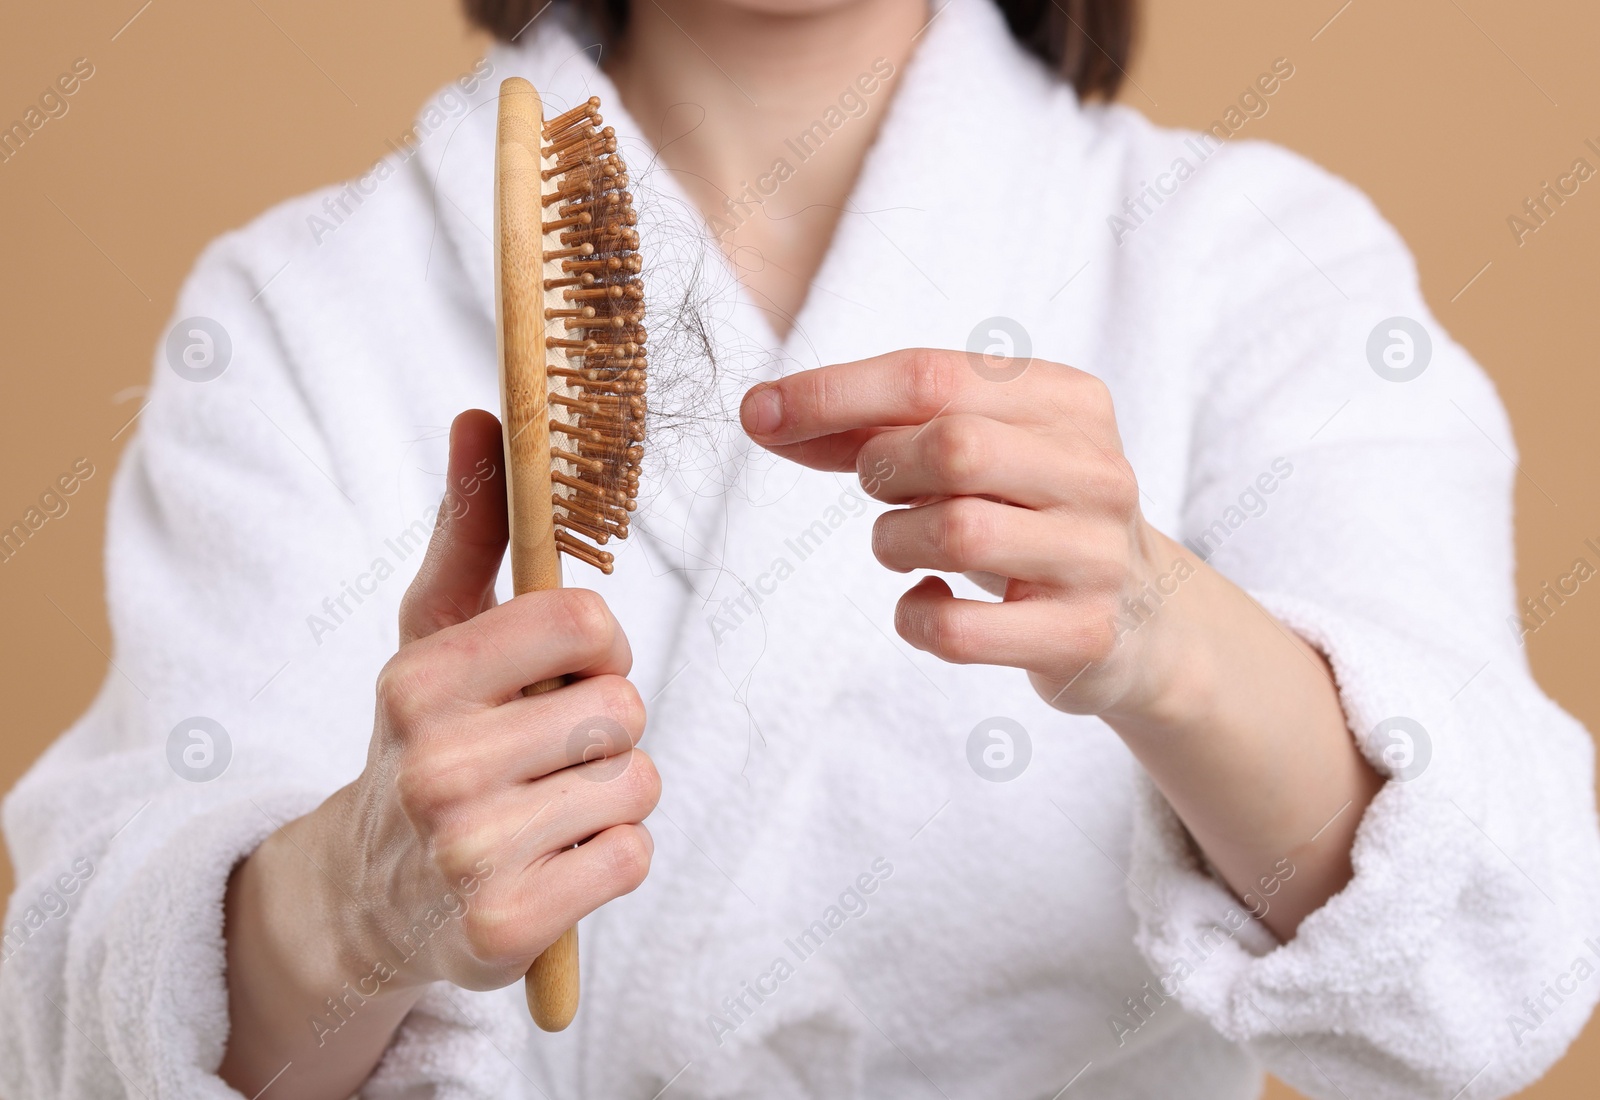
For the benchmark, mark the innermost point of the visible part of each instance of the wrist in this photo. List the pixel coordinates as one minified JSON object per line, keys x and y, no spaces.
{"x":1170,"y":625}
{"x":296,"y":978}
{"x":310,"y":919}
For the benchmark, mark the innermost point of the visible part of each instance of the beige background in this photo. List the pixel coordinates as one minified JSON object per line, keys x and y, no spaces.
{"x":1448,"y":112}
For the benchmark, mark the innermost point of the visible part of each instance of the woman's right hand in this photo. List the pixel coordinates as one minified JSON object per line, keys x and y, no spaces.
{"x":451,"y":858}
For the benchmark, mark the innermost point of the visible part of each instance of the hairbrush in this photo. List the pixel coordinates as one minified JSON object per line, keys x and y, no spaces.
{"x":569,"y":307}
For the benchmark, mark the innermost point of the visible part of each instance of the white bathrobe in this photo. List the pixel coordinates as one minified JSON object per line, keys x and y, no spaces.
{"x":876,"y":875}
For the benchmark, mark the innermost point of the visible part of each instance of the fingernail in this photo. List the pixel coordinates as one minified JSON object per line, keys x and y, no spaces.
{"x":763,"y":410}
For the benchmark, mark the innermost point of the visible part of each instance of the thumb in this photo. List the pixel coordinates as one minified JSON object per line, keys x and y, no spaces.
{"x":456,"y":580}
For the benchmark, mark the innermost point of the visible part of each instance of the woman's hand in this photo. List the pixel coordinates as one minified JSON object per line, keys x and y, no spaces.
{"x":451,"y":858}
{"x":1022,"y":484}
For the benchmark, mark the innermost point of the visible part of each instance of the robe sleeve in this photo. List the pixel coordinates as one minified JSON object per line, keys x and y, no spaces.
{"x":1353,"y":470}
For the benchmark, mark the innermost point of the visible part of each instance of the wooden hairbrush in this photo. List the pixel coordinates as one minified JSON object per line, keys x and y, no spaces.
{"x":569,"y":306}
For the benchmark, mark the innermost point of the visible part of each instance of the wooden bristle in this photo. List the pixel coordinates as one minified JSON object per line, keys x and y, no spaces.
{"x":595,"y":336}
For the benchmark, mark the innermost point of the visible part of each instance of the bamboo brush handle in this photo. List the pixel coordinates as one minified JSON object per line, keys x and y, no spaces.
{"x":552,"y":981}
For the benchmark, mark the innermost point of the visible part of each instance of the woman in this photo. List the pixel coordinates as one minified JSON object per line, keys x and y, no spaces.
{"x":1277,"y":787}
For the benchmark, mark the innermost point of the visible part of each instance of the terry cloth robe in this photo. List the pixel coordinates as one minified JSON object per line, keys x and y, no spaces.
{"x":876,"y":875}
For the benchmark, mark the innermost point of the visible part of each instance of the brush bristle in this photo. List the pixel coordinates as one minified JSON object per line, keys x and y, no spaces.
{"x":594,"y":313}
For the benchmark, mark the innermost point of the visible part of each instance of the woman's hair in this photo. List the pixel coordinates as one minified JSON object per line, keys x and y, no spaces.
{"x":1087,"y":41}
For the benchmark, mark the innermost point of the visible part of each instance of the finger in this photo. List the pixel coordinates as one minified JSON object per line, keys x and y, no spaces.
{"x":1030,"y":634}
{"x":570,"y":806}
{"x":612,"y":863}
{"x":900,"y":388}
{"x":456,"y":580}
{"x":519,"y":922}
{"x":960,"y":454}
{"x":576,"y":882}
{"x":912,"y":387}
{"x":973,"y":535}
{"x":830,"y":453}
{"x":529,"y":737}
{"x":488,"y":660}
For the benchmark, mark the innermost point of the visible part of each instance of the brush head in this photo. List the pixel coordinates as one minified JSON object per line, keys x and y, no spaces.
{"x":594,"y":333}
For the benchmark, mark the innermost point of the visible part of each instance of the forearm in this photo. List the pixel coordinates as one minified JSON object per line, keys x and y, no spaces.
{"x":1247,"y":740}
{"x":304,"y":1000}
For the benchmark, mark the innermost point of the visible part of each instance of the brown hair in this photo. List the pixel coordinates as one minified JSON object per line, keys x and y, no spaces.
{"x":1087,"y":41}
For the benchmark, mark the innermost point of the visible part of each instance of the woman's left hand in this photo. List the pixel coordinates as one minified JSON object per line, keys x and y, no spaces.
{"x":1020,"y":483}
{"x":1016,"y":477}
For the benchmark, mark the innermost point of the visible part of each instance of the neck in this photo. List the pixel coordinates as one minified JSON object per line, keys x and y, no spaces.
{"x":765,"y":118}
